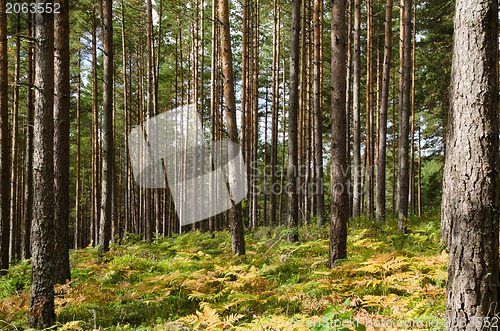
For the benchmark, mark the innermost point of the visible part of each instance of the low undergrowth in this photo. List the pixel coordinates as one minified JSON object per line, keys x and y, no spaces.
{"x":192,"y":281}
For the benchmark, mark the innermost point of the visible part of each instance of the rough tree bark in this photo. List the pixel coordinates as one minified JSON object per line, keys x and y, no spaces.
{"x":339,"y":215}
{"x":404,"y":115}
{"x":107,"y":127}
{"x":61,"y":144}
{"x":470,"y":183}
{"x":41,"y":312}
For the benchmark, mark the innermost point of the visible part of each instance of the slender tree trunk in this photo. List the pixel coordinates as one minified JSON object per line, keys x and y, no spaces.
{"x":61,"y":144}
{"x":13,"y":244}
{"x":213,"y":108}
{"x":41,"y":312}
{"x":78,"y":218}
{"x":126,"y":110}
{"x":107,"y":127}
{"x":274,"y":115}
{"x":148,"y":217}
{"x":318,"y":118}
{"x":292,"y":173}
{"x":404,"y":115}
{"x":255,"y":117}
{"x":356,"y":107}
{"x":419,"y":187}
{"x":384,"y":104}
{"x":369,"y":111}
{"x":394,"y":141}
{"x":411,"y":197}
{"x":469,"y":217}
{"x":4,"y":143}
{"x":237,"y":234}
{"x":339,"y":195}
{"x":28,"y":160}
{"x":284,"y":125}
{"x":95,"y":138}
{"x":349,"y":103}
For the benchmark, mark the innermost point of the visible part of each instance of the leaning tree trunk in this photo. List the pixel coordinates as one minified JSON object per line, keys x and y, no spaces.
{"x":470,"y":184}
{"x":293,"y":166}
{"x":108,"y":159}
{"x":384,"y":104}
{"x":61,"y":144}
{"x":339,"y":214}
{"x":4,"y":143}
{"x":41,"y":312}
{"x":404,"y":115}
{"x":237,"y":234}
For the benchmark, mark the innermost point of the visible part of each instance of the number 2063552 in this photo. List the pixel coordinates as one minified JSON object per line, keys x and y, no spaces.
{"x":34,"y":8}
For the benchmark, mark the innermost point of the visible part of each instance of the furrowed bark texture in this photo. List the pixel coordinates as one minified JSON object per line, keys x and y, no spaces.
{"x":61,"y":144}
{"x":41,"y":312}
{"x":470,"y":183}
{"x":339,"y":212}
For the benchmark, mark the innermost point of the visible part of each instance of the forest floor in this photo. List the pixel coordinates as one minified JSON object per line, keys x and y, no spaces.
{"x":192,"y":281}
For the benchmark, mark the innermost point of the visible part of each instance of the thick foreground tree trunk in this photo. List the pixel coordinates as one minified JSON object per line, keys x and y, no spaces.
{"x":339,"y":194}
{"x":470,"y":183}
{"x":41,"y":312}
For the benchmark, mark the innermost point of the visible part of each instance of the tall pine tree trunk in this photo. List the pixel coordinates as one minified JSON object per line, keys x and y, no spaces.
{"x":293,"y":166}
{"x":78,"y":217}
{"x":339,"y":214}
{"x":384,"y":104}
{"x":356,"y":107}
{"x":404,"y":115}
{"x":95,"y":210}
{"x":237,"y":234}
{"x":61,"y":144}
{"x":14,"y":223}
{"x":274,"y":115}
{"x":28,"y":160}
{"x":41,"y":312}
{"x":4,"y":143}
{"x":318,"y":116}
{"x":469,"y":214}
{"x":107,"y":127}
